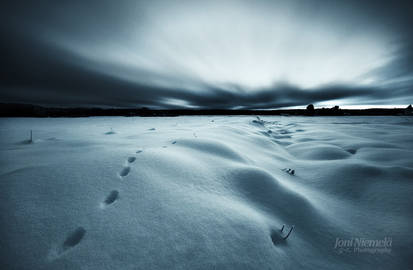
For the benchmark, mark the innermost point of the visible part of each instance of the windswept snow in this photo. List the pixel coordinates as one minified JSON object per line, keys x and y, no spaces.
{"x":205,"y":192}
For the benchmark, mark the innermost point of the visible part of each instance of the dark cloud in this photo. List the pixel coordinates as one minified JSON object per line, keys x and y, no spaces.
{"x":36,"y":69}
{"x":51,"y":76}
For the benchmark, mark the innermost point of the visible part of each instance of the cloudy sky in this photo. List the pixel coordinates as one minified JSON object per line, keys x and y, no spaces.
{"x":206,"y":54}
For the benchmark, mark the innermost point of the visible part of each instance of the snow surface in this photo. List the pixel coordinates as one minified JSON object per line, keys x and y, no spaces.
{"x":204,"y":192}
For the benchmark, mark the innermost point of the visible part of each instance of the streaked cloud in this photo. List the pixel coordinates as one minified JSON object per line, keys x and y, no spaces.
{"x":207,"y":54}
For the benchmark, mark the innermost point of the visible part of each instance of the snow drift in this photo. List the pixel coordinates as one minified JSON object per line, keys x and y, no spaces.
{"x":205,"y":192}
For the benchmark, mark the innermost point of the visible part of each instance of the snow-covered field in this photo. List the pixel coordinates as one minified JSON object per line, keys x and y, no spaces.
{"x":206,"y":193}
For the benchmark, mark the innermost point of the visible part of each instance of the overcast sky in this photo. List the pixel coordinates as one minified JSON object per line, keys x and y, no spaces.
{"x":206,"y":54}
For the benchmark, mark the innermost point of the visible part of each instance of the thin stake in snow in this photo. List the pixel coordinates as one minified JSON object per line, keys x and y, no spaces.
{"x":289,"y":171}
{"x":288,"y":234}
{"x":110,"y":132}
{"x":278,"y":237}
{"x":31,"y":136}
{"x":258,"y":121}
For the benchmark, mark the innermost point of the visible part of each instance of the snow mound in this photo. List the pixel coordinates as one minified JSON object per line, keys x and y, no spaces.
{"x":312,"y":151}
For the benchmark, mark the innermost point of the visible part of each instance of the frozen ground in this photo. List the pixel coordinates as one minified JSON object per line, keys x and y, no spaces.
{"x":205,"y":192}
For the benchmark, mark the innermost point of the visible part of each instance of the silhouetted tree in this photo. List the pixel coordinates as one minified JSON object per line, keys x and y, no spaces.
{"x":310,"y":108}
{"x":409,"y":110}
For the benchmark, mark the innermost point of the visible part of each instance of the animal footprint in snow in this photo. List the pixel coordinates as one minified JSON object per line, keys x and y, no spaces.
{"x":174,"y":142}
{"x":73,"y":239}
{"x":289,"y":171}
{"x":131,"y":159}
{"x":139,"y":151}
{"x":125,"y":171}
{"x":152,"y":129}
{"x":112,"y":197}
{"x":352,"y":151}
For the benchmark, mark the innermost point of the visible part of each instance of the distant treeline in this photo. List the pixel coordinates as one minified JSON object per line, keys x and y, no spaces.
{"x":28,"y":110}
